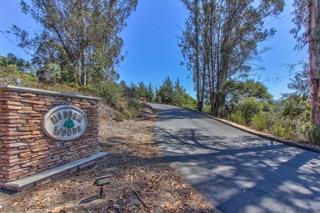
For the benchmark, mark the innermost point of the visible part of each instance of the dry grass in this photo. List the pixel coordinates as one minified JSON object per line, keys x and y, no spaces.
{"x":141,"y":180}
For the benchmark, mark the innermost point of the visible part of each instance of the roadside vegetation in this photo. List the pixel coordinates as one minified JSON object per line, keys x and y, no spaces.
{"x":287,"y":118}
{"x":249,"y":103}
{"x":16,"y":71}
{"x":219,"y":43}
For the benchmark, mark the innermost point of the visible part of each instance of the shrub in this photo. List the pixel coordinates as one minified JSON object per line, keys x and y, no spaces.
{"x":110,"y":92}
{"x":237,"y":117}
{"x":278,"y":129}
{"x":131,"y":110}
{"x":249,"y":107}
{"x":271,"y":118}
{"x":113,"y":95}
{"x":10,"y":73}
{"x":259,"y":121}
{"x":184,"y":100}
{"x":295,"y":114}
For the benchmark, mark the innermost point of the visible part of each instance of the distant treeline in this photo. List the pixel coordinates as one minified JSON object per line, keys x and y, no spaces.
{"x":169,"y":92}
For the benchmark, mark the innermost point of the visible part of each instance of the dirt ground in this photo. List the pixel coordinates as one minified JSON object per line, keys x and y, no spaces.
{"x":141,"y":180}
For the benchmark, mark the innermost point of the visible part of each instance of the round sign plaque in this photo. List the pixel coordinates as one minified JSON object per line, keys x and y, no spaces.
{"x":64,"y":123}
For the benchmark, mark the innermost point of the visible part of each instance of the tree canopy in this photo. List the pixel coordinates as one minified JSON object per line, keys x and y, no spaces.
{"x":219,"y":41}
{"x":82,"y":36}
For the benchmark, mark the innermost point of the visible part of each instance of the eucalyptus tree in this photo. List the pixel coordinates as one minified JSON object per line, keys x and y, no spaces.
{"x":221,"y":39}
{"x":307,"y":32}
{"x":82,"y":35}
{"x":190,"y":45}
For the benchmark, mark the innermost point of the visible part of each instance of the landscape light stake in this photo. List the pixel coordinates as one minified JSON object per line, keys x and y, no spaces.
{"x":101,"y":181}
{"x":101,"y":192}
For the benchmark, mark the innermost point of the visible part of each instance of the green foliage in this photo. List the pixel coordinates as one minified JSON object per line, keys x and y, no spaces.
{"x":300,"y":83}
{"x":237,"y":117}
{"x":11,"y":59}
{"x":128,"y":108}
{"x":115,"y":95}
{"x":248,"y":88}
{"x":288,"y":119}
{"x":166,"y":92}
{"x":185,"y":100}
{"x":220,"y":40}
{"x":259,"y":121}
{"x":101,"y":68}
{"x":279,"y":130}
{"x":181,"y":98}
{"x":174,"y":94}
{"x":150,"y":93}
{"x":295,"y":114}
{"x":301,"y":22}
{"x":50,"y":72}
{"x":236,"y":91}
{"x":249,"y":107}
{"x":142,"y":90}
{"x":118,"y":97}
{"x":83,"y":37}
{"x":110,"y":91}
{"x":10,"y":73}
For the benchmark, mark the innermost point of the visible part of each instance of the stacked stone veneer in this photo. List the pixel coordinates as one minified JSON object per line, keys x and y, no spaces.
{"x":24,"y":149}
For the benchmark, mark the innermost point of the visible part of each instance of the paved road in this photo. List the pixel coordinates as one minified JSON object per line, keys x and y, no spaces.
{"x":237,"y":171}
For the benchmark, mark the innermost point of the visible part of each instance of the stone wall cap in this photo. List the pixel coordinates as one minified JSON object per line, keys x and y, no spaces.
{"x":45,"y":92}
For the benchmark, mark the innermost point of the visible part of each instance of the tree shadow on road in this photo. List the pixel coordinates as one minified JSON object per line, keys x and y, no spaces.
{"x":178,"y":113}
{"x":244,"y":173}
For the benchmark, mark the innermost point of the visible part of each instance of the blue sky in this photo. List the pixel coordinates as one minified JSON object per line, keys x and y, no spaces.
{"x":151,"y":51}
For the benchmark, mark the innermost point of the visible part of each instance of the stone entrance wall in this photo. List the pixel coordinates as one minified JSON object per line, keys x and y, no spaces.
{"x":24,"y":148}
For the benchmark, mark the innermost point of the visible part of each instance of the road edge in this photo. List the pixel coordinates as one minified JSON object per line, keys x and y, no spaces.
{"x":257,"y":133}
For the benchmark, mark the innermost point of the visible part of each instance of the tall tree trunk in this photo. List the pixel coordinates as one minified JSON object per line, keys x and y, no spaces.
{"x":82,"y":48}
{"x":197,"y":64}
{"x":314,"y":58}
{"x":83,"y":69}
{"x":219,"y":100}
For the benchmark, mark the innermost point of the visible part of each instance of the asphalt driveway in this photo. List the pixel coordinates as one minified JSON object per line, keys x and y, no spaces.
{"x":237,"y":171}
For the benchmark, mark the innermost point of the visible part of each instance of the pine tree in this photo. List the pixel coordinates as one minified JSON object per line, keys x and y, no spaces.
{"x":166,"y":91}
{"x":150,"y":93}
